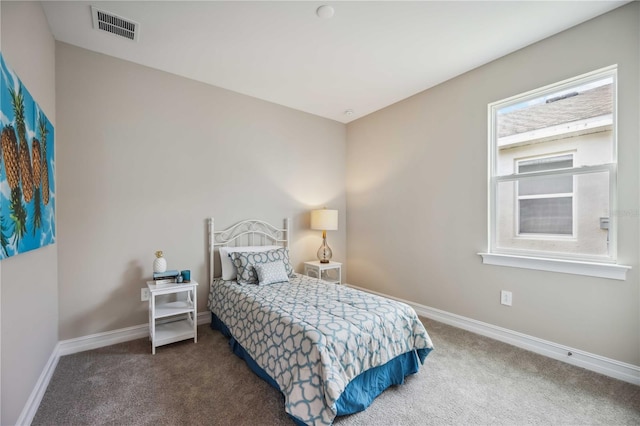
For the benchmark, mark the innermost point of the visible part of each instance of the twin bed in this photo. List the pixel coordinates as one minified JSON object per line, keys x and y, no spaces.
{"x":328,"y":348}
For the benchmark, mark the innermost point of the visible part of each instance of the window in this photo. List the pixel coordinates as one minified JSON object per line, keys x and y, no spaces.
{"x":552,"y":172}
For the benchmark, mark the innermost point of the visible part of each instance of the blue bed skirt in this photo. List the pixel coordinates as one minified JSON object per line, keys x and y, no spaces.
{"x":361,"y":391}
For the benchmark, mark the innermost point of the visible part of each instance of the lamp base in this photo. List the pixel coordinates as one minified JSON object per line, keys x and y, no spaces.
{"x":324,"y":252}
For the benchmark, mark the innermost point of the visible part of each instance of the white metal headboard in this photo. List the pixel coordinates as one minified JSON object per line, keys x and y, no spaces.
{"x":250,"y":232}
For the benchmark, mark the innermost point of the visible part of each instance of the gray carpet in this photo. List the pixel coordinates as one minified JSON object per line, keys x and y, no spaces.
{"x":467,"y":380}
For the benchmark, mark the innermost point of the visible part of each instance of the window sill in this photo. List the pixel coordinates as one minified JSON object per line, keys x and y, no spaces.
{"x":592,"y":269}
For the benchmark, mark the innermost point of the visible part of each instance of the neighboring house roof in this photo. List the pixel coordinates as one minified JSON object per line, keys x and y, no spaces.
{"x":573,"y":107}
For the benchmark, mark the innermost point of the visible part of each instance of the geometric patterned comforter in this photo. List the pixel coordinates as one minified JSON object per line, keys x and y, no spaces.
{"x":314,"y":337}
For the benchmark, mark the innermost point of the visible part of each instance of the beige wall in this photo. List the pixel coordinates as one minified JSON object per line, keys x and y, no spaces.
{"x":144,"y":157}
{"x":29,"y":281}
{"x":417,"y":198}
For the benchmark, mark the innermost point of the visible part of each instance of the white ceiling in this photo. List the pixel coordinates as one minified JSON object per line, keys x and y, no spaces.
{"x":367,"y":56}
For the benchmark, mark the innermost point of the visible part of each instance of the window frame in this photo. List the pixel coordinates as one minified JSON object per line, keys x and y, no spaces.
{"x":601,"y":266}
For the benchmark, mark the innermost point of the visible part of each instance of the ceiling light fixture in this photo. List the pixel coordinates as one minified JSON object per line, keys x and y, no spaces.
{"x":348,"y":112}
{"x":325,"y":11}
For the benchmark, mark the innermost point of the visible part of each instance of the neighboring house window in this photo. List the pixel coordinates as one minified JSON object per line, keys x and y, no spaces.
{"x":553,"y":171}
{"x":545,"y":205}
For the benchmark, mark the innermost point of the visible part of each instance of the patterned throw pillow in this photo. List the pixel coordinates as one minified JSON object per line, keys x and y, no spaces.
{"x":245,"y":263}
{"x":226,"y":264}
{"x":271,"y":272}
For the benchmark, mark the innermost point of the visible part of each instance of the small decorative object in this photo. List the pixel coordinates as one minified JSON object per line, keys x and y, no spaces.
{"x":185,"y":275}
{"x":160,"y":263}
{"x":179,"y":279}
{"x":172,"y":274}
{"x":324,"y":220}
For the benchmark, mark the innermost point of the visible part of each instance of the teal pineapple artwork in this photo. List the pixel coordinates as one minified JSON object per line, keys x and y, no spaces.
{"x":27,"y":169}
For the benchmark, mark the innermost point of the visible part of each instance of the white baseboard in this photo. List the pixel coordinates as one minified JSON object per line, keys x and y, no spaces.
{"x":81,"y":344}
{"x":30,"y":408}
{"x":609,"y":367}
{"x":100,"y":340}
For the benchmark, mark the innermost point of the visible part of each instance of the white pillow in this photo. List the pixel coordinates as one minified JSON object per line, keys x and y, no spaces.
{"x":271,"y":273}
{"x":228,"y":268}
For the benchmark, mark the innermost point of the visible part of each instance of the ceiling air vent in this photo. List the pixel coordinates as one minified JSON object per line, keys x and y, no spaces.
{"x":114,"y":24}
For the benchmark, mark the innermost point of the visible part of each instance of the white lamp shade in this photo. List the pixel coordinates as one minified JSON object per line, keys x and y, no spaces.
{"x":324,"y":220}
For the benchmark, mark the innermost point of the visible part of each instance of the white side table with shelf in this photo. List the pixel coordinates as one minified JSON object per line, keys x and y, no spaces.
{"x":319,"y":270}
{"x":175,"y":320}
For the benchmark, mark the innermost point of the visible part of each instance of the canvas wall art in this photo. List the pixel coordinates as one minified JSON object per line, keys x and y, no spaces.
{"x":27,"y":184}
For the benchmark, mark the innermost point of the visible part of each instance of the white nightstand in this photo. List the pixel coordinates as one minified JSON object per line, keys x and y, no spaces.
{"x":175,"y":320}
{"x":316,"y":269}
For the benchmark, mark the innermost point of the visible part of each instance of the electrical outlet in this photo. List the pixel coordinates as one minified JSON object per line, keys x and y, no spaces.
{"x":506,"y":297}
{"x":144,"y":294}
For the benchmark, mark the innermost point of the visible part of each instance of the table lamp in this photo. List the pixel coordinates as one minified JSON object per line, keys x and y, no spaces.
{"x":324,"y":220}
